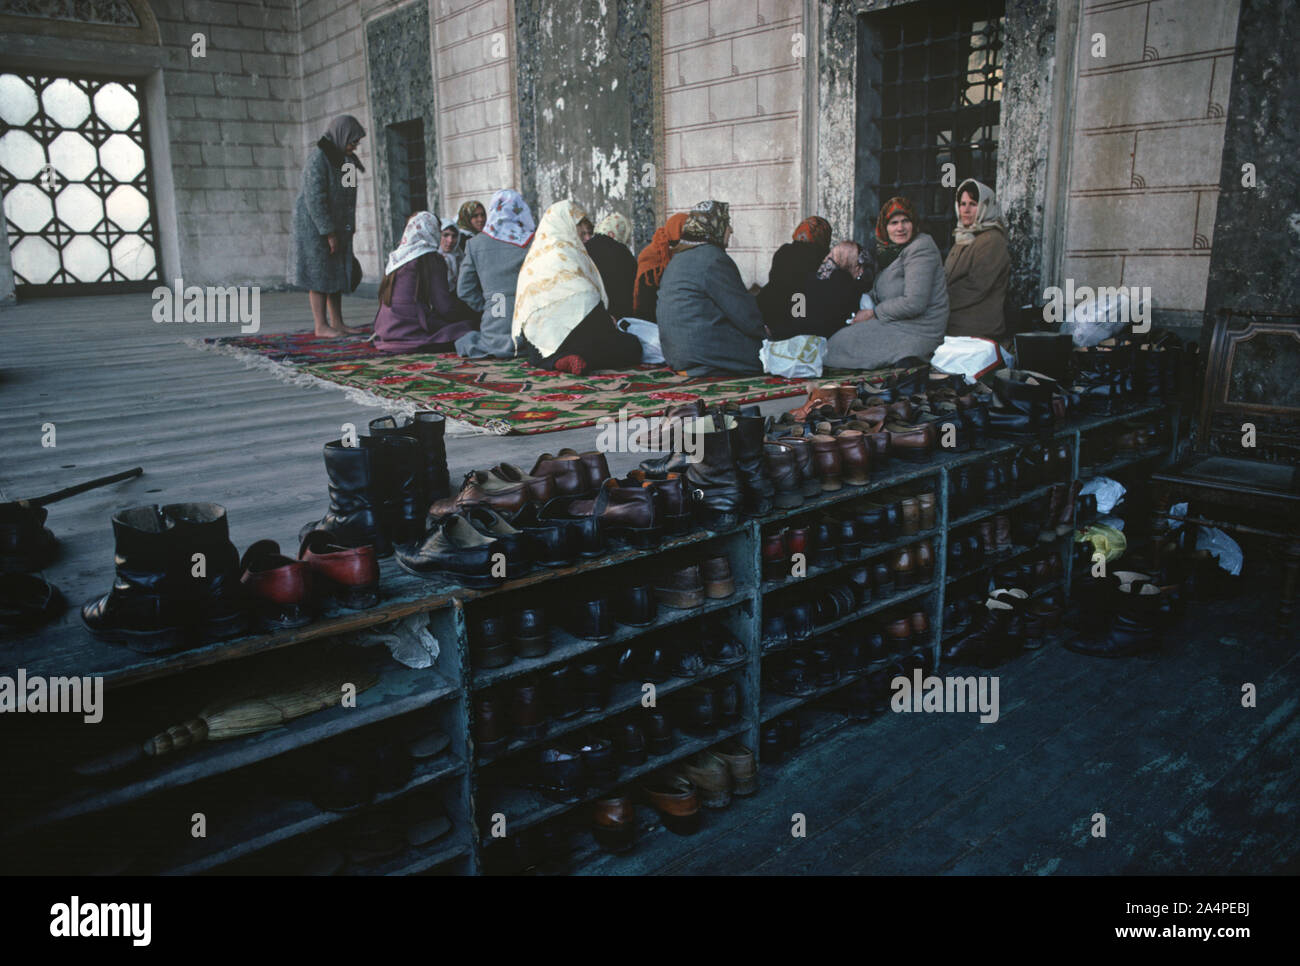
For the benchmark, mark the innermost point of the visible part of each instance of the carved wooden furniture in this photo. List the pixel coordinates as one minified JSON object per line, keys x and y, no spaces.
{"x":1247,"y":453}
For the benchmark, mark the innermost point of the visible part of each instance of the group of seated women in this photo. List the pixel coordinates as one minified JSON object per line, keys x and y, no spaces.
{"x":495,"y":284}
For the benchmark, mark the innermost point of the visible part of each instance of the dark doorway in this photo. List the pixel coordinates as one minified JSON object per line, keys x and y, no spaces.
{"x":930,"y":94}
{"x":74,"y":170}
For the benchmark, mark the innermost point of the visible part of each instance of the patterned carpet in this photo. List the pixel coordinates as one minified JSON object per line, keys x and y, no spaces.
{"x":507,"y":395}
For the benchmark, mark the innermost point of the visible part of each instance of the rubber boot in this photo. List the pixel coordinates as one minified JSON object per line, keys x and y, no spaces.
{"x":711,"y":474}
{"x":351,"y":516}
{"x":209,"y":587}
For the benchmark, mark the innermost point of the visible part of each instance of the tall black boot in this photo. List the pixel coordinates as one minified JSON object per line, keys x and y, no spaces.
{"x":711,"y":472}
{"x":209,"y":588}
{"x":143,"y":610}
{"x":755,"y":486}
{"x":351,"y":516}
{"x":427,"y":429}
{"x":396,"y":459}
{"x":1024,"y":402}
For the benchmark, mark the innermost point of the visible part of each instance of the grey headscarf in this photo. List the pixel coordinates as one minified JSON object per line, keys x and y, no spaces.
{"x":988,"y":213}
{"x":343,"y":130}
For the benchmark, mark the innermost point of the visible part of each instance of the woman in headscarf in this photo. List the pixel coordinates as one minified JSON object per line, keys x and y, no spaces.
{"x":324,"y":222}
{"x":784,"y":300}
{"x":650,"y":265}
{"x":447,"y":249}
{"x":910,"y":296}
{"x":978,"y":266}
{"x":610,"y":249}
{"x":561,"y":317}
{"x":489,"y":272}
{"x":417,"y":310}
{"x":708,"y":321}
{"x":469,"y":222}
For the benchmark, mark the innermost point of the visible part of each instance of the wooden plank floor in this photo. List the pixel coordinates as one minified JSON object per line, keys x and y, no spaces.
{"x":1189,"y":781}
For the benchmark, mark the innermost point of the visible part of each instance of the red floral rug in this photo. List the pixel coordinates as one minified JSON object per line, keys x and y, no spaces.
{"x":508,"y":395}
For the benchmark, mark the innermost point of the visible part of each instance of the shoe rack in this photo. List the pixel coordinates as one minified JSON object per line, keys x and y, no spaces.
{"x":264,"y":796}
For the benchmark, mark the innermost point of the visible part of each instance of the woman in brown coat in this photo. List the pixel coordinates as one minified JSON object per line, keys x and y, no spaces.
{"x":978,"y":266}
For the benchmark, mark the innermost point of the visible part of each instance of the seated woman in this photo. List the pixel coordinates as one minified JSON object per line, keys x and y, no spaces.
{"x":608,"y":248}
{"x":836,"y":288}
{"x":469,"y":222}
{"x":793,"y":266}
{"x":708,"y":321}
{"x":489,"y":272}
{"x":911,"y":298}
{"x":650,"y":265}
{"x":417,"y":311}
{"x":978,"y":267}
{"x":561,"y":321}
{"x":450,"y":237}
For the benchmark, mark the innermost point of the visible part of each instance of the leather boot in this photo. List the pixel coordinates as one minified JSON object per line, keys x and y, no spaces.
{"x":985,"y":642}
{"x":755,"y":485}
{"x":214,"y":600}
{"x":398,"y":502}
{"x":351,"y":517}
{"x":781,"y":466}
{"x":426,"y":428}
{"x":673,"y":504}
{"x":827,"y":462}
{"x":809,"y":484}
{"x":855,"y":457}
{"x":713,"y":475}
{"x":1024,"y":402}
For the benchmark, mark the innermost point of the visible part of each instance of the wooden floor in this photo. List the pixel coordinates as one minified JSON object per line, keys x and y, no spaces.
{"x":1188,"y":780}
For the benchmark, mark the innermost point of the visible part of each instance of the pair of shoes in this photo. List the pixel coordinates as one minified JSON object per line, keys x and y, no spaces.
{"x":458,"y":549}
{"x":283,"y":593}
{"x":718,"y":773}
{"x":688,"y":587}
{"x":177,"y":581}
{"x":1138,"y":610}
{"x":1000,"y":634}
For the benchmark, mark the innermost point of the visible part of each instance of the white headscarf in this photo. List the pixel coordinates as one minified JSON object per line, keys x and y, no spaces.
{"x":987,"y":215}
{"x":558,"y":283}
{"x":423,"y":234}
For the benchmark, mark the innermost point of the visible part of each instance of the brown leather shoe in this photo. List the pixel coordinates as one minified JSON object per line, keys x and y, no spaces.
{"x":630,"y":512}
{"x":929,"y":516}
{"x":594,"y":464}
{"x":540,"y":488}
{"x":920,"y":625}
{"x":1002,"y":527}
{"x":613,"y":823}
{"x":718,"y":582}
{"x":781,"y":467}
{"x":988,"y":536}
{"x":809,"y":485}
{"x":904,"y":567}
{"x":711,"y":778}
{"x":911,"y":442}
{"x":570,"y":474}
{"x":898,"y":634}
{"x":925,"y":560}
{"x":675,"y":798}
{"x":350,"y":574}
{"x":910,"y":516}
{"x":855,"y":457}
{"x":827,"y":463}
{"x":845,"y":396}
{"x":824,"y":395}
{"x":279,"y":588}
{"x":878,"y":442}
{"x":483,"y":489}
{"x":682,"y":588}
{"x":674,"y":509}
{"x":740,"y":765}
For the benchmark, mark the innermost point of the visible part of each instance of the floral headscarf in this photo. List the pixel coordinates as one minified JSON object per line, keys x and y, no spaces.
{"x":558,"y":283}
{"x":706,"y":222}
{"x":886,"y":250}
{"x":816,"y":230}
{"x":467,"y":211}
{"x":423,"y":234}
{"x":616,"y":227}
{"x":509,"y":218}
{"x":988,"y":213}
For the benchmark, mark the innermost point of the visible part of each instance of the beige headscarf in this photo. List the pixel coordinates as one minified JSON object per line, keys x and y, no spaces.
{"x":558,"y":282}
{"x":987,"y":215}
{"x":617,"y":227}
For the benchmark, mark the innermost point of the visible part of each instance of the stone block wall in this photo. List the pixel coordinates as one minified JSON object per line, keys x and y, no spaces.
{"x":733,"y":82}
{"x":1146,"y":146}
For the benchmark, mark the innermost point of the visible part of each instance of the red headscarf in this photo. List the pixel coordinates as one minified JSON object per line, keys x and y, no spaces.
{"x":814,"y":229}
{"x":892,"y":207}
{"x":652,"y":261}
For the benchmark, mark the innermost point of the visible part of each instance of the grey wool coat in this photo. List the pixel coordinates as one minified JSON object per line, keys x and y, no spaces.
{"x":490,"y":266}
{"x":708,"y":321}
{"x":324,"y":206}
{"x":911,"y":312}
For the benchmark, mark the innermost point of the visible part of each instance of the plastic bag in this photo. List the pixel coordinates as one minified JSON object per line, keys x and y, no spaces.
{"x":1096,"y":320}
{"x":1221,"y":546}
{"x":970,"y":356}
{"x":863,"y":303}
{"x":647,"y":333}
{"x":799,"y":358}
{"x":1109,"y":493}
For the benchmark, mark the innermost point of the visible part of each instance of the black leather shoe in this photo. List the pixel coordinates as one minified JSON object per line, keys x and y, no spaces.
{"x":701,"y":712}
{"x":554,"y":544}
{"x":632,"y":744}
{"x":515,"y":544}
{"x":454,"y":549}
{"x":488,"y":647}
{"x":687,"y":662}
{"x":561,"y":772}
{"x":591,"y":619}
{"x":528,"y":633}
{"x":658,"y":733}
{"x":27,"y":601}
{"x":726,"y":699}
{"x":636,"y":605}
{"x":798,"y":621}
{"x":776,"y":636}
{"x":593,"y":686}
{"x":654,"y":664}
{"x":562,"y":692}
{"x":721,"y":647}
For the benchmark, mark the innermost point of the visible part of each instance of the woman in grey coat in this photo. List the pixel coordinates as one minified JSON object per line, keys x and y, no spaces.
{"x":324,"y":222}
{"x":489,"y":273}
{"x":910,"y":315}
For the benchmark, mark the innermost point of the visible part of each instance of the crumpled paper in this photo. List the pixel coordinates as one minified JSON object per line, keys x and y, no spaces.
{"x":1221,"y":546}
{"x":1109,"y":492}
{"x":408,"y":640}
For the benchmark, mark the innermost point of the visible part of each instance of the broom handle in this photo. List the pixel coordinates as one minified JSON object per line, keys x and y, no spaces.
{"x":81,"y":488}
{"x":177,"y":736}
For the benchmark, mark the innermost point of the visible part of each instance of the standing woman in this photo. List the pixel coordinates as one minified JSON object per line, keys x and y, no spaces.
{"x":978,"y":266}
{"x":324,"y":222}
{"x":489,"y":272}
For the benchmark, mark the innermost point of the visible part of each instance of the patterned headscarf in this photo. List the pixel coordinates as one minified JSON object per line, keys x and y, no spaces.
{"x":988,"y":213}
{"x":509,"y":218}
{"x":423,"y":234}
{"x":886,"y":250}
{"x":707,"y":222}
{"x":616,"y":227}
{"x":654,"y":258}
{"x":467,"y":211}
{"x":558,"y":283}
{"x":814,"y":229}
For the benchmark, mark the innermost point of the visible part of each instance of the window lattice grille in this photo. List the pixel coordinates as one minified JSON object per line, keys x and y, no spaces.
{"x":74,"y":173}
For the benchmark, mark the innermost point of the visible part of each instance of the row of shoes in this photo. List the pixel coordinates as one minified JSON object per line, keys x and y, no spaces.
{"x":829,"y":543}
{"x":1128,"y":612}
{"x":349,"y":774}
{"x":1007,"y":622}
{"x":994,"y":479}
{"x":833,"y":539}
{"x":1126,"y":439}
{"x":706,"y":779}
{"x":1119,"y":371}
{"x":822,"y":662}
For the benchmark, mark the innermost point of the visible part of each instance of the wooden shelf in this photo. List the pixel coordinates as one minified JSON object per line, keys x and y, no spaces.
{"x":869,"y":553}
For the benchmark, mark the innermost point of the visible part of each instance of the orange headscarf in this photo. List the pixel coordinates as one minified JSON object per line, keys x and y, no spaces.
{"x":816,"y":230}
{"x":652,"y":261}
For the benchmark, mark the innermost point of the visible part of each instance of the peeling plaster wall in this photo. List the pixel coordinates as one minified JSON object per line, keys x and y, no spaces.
{"x":585,"y":107}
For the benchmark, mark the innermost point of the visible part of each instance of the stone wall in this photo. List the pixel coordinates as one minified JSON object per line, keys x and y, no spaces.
{"x":1146,"y":148}
{"x":474,"y":59}
{"x":733,"y":77}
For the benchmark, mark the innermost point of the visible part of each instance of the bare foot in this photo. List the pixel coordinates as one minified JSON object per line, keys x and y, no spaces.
{"x":325,"y":334}
{"x":341,"y":329}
